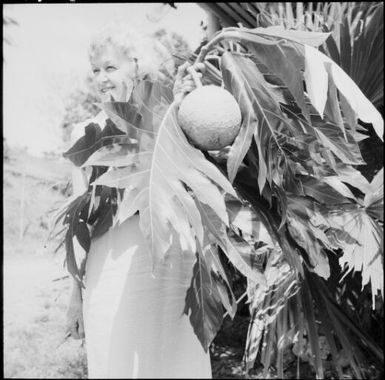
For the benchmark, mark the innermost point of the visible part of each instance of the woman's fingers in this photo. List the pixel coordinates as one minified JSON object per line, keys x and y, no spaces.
{"x":184,"y":82}
{"x":189,"y":81}
{"x":186,"y":78}
{"x":188,"y":89}
{"x":189,"y":76}
{"x":75,"y":325}
{"x":199,"y":67}
{"x":81,"y":329}
{"x":181,"y":70}
{"x":73,"y":330}
{"x":76,"y":329}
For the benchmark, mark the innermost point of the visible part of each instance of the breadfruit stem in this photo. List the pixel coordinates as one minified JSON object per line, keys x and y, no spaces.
{"x":228,"y":34}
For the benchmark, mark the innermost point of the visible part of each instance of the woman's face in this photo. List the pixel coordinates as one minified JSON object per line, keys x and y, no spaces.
{"x":113,"y":74}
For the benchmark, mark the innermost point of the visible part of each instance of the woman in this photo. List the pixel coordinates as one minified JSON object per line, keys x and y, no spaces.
{"x":133,"y":322}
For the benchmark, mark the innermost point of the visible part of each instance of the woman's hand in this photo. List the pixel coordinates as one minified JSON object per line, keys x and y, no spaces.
{"x":184,"y":82}
{"x":75,"y":324}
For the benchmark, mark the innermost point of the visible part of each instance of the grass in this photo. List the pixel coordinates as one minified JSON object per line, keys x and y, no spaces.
{"x":34,"y":323}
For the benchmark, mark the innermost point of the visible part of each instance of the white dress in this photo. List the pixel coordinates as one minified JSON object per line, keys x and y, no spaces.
{"x":134,"y":323}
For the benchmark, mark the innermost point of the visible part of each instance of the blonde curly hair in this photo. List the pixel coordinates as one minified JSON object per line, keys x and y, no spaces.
{"x":150,"y":55}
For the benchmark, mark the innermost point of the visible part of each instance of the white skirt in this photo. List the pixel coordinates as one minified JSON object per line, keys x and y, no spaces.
{"x":134,"y":323}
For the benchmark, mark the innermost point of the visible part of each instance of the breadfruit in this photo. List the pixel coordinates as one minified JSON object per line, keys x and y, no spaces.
{"x":210,"y":117}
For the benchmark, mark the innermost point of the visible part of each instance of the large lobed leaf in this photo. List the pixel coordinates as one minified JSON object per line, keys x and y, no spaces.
{"x":261,"y":113}
{"x":95,"y":136}
{"x":295,"y":64}
{"x":180,"y":198}
{"x":158,"y":185}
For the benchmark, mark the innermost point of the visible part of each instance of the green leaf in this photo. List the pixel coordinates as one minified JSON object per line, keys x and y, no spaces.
{"x":285,"y":60}
{"x":144,"y":112}
{"x":115,"y":154}
{"x":104,"y":221}
{"x":240,"y":89}
{"x":304,"y":237}
{"x":236,"y":249}
{"x":261,"y":114}
{"x":358,"y":33}
{"x":308,"y":38}
{"x":83,"y":236}
{"x":133,"y":122}
{"x":125,"y":116}
{"x":367,"y":255}
{"x":253,"y":229}
{"x":342,"y":145}
{"x":70,"y":260}
{"x":78,"y":228}
{"x":374,"y":198}
{"x":255,"y":334}
{"x":312,"y":330}
{"x":344,"y":329}
{"x":85,"y":146}
{"x":204,"y":301}
{"x":321,"y":191}
{"x":267,"y":303}
{"x":353,"y":177}
{"x":159,"y":184}
{"x":93,"y":139}
{"x":316,"y":79}
{"x":315,"y":69}
{"x":314,"y":232}
{"x":220,"y":279}
{"x":137,"y":174}
{"x":336,"y":183}
{"x":332,"y":109}
{"x":336,"y":322}
{"x":101,"y":210}
{"x":328,"y":326}
{"x":61,"y":212}
{"x":340,"y":315}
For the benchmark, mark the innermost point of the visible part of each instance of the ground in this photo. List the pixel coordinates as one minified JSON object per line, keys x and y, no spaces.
{"x":35,"y":304}
{"x":34,"y":322}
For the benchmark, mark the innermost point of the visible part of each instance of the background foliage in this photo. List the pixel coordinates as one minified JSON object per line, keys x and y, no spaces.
{"x":354,"y":28}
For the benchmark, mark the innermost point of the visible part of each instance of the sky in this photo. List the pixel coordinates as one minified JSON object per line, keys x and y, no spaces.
{"x":47,"y":59}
